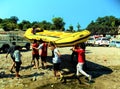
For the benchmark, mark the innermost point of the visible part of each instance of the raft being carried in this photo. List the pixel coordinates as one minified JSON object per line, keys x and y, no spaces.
{"x":61,"y":39}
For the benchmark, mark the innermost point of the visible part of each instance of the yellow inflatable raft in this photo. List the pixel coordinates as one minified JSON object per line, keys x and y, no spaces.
{"x":61,"y":39}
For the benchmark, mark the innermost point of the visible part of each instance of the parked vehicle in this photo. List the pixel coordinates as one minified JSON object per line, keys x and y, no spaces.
{"x":103,"y":41}
{"x":118,"y":44}
{"x":90,"y":41}
{"x":6,"y":40}
{"x":114,"y":43}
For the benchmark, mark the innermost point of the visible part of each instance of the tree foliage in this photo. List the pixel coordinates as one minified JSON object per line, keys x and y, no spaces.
{"x":78,"y":27}
{"x":58,"y":23}
{"x":45,"y":25}
{"x":104,"y":25}
{"x":14,"y":19}
{"x":24,"y":25}
{"x":8,"y":24}
{"x":71,"y":28}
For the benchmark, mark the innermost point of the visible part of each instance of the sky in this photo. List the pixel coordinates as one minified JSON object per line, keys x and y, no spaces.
{"x":72,"y":11}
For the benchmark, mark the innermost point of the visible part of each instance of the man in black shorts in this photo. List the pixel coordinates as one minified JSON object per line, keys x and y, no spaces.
{"x":11,"y":52}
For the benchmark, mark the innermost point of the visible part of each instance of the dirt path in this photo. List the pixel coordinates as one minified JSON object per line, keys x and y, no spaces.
{"x":102,"y":62}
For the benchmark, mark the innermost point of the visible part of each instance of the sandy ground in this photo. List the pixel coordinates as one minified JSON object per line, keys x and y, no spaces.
{"x":103,"y":64}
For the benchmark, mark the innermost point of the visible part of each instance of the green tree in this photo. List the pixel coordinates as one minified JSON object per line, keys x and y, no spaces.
{"x":58,"y":23}
{"x":35,"y":23}
{"x":1,"y":20}
{"x":1,"y":23}
{"x":78,"y":27}
{"x":71,"y":28}
{"x":52,"y":27}
{"x":24,"y":25}
{"x":14,"y":19}
{"x":45,"y":25}
{"x":8,"y":25}
{"x":104,"y":25}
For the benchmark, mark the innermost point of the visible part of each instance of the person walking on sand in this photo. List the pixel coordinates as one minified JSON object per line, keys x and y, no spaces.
{"x":11,"y":51}
{"x":43,"y":53}
{"x":18,"y":61}
{"x":81,"y":60}
{"x":35,"y":54}
{"x":83,"y":46}
{"x":56,"y":61}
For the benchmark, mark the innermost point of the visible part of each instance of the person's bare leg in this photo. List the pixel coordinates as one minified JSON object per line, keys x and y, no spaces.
{"x":37,"y":64}
{"x":13,"y":66}
{"x":42,"y":63}
{"x":60,"y":74}
{"x":45,"y":65}
{"x":55,"y":74}
{"x":34,"y":63}
{"x":17,"y":75}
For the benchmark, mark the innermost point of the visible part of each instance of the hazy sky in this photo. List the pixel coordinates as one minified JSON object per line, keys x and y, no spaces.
{"x":72,"y":11}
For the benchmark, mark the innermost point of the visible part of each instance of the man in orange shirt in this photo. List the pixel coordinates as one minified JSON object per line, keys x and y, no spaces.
{"x":35,"y":54}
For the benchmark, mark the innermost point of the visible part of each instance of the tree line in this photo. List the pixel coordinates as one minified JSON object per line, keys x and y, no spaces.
{"x":10,"y":24}
{"x":102,"y":25}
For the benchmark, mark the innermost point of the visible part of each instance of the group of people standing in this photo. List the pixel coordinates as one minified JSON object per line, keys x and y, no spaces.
{"x":39,"y":51}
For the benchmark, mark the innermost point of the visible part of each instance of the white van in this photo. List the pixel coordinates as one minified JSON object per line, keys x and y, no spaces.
{"x":102,"y":41}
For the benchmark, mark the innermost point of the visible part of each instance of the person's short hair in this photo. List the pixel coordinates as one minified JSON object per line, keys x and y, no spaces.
{"x":33,"y":27}
{"x":81,"y":45}
{"x":41,"y":41}
{"x":17,"y":47}
{"x":77,"y":45}
{"x":35,"y":40}
{"x":52,"y":44}
{"x":13,"y":43}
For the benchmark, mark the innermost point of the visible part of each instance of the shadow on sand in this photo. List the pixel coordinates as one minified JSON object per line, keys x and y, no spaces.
{"x":70,"y":80}
{"x":68,"y":67}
